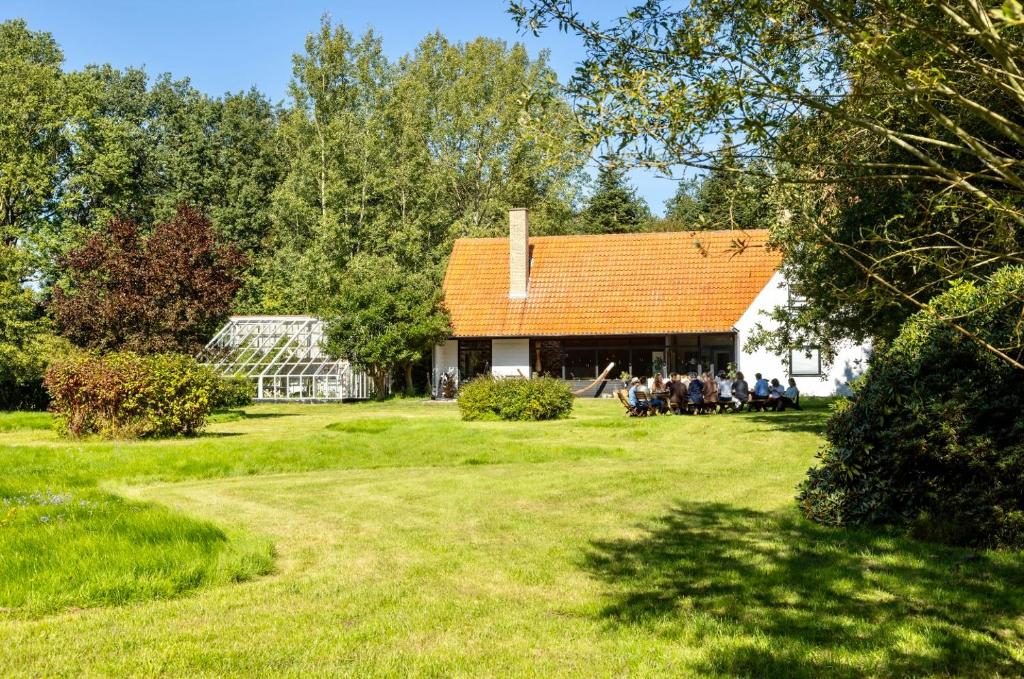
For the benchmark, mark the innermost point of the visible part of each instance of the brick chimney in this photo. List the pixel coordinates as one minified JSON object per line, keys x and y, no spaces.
{"x":518,"y":252}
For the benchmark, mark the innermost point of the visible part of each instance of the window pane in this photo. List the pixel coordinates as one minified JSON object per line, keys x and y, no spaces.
{"x":805,"y":361}
{"x":580,"y":364}
{"x":474,"y":358}
{"x":547,"y":357}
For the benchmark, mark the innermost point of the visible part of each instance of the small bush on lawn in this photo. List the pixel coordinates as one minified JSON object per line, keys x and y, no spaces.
{"x":124,"y":395}
{"x":233,"y":391}
{"x":933,"y":439}
{"x":515,"y":398}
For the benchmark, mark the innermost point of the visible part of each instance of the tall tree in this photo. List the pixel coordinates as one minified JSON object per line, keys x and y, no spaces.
{"x":165,"y":291}
{"x":614,"y":206}
{"x":398,"y":160}
{"x":385,"y":318}
{"x":731,"y":196}
{"x":26,"y":343}
{"x":33,"y":92}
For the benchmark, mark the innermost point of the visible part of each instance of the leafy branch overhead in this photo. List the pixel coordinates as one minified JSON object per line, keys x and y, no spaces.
{"x":891,"y":133}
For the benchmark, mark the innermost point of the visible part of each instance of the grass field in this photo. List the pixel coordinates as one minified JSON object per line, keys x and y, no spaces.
{"x":394,"y":539}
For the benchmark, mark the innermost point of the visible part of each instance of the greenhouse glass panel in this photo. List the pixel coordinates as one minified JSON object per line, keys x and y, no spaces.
{"x":283,"y":357}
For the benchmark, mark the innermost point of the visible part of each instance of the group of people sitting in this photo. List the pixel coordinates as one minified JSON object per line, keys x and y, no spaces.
{"x":707,"y":393}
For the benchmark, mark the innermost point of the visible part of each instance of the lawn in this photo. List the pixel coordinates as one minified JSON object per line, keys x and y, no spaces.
{"x":394,"y":539}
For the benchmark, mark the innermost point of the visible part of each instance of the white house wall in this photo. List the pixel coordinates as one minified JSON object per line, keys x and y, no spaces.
{"x":510,"y":357}
{"x":850,"y":360}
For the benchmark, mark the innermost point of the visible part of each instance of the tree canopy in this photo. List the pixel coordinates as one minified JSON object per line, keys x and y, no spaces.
{"x":165,"y":291}
{"x":895,"y":127}
{"x":614,"y":206}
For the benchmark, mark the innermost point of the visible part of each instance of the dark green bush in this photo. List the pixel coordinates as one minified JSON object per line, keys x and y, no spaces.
{"x":515,"y":398}
{"x":233,"y":391}
{"x":124,"y":395}
{"x":933,"y":439}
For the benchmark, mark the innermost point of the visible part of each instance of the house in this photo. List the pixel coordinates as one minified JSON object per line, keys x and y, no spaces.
{"x":570,"y":306}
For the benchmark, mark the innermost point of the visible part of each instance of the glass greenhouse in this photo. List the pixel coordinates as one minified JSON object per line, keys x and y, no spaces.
{"x":282,"y":356}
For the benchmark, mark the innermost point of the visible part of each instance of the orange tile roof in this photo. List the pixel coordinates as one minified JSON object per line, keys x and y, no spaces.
{"x":649,"y":283}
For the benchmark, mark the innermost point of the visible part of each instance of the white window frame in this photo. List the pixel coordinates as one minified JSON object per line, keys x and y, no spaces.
{"x":804,"y":350}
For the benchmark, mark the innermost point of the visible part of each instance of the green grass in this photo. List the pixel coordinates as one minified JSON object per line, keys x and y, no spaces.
{"x":410,"y":543}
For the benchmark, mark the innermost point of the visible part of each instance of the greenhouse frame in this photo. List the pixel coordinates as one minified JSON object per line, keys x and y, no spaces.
{"x":283,"y":356}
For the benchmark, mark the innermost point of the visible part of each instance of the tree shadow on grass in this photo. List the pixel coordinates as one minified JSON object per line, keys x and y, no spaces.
{"x":809,"y":421}
{"x":774,"y":595}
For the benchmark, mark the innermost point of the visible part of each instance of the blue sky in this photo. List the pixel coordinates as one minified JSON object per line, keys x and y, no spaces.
{"x":230,"y":45}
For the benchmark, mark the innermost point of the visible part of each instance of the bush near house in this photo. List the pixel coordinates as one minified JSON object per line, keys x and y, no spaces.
{"x":125,"y":395}
{"x":933,"y":439}
{"x":515,"y":398}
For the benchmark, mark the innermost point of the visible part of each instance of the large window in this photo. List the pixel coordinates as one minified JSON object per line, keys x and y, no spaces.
{"x":805,"y":362}
{"x":474,"y":358}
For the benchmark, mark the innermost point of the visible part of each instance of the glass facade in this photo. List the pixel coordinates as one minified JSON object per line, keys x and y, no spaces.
{"x":583,"y":358}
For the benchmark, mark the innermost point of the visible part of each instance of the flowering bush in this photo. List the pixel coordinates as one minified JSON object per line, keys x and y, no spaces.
{"x":515,"y":398}
{"x":124,"y":395}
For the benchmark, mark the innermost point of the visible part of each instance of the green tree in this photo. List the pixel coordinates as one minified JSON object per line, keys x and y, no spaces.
{"x":904,"y":114}
{"x":33,"y":92}
{"x":728,"y":197}
{"x":613,"y":207}
{"x":26,"y":344}
{"x":399,"y":159}
{"x":385,"y":318}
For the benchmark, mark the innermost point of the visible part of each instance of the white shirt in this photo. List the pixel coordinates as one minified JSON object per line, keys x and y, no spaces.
{"x":724,"y":387}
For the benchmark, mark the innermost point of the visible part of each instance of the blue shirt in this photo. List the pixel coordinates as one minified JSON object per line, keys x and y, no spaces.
{"x":761,"y":388}
{"x":632,"y":396}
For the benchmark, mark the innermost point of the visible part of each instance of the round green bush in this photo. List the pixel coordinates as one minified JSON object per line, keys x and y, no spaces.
{"x":233,"y":391}
{"x":933,"y":438}
{"x":125,"y":395}
{"x":515,"y":398}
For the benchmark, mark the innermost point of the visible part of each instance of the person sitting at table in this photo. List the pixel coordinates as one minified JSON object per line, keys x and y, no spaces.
{"x":657,"y":401}
{"x":710,"y":391}
{"x":677,"y":394}
{"x":761,"y":391}
{"x":695,"y":393}
{"x":633,"y":397}
{"x":740,"y":391}
{"x":724,"y":390}
{"x":644,"y":394}
{"x":774,"y":394}
{"x":790,"y":398}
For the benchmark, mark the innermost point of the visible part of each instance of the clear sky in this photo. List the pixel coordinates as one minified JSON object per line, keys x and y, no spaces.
{"x":230,"y":45}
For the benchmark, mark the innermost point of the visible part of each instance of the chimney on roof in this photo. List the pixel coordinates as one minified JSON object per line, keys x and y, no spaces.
{"x":518,"y":252}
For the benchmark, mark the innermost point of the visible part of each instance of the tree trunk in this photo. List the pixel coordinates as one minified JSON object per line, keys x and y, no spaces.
{"x":380,"y":383}
{"x":408,"y":379}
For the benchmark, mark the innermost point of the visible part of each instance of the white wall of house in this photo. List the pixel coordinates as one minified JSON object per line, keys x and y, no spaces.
{"x":510,"y":357}
{"x":850,"y":361}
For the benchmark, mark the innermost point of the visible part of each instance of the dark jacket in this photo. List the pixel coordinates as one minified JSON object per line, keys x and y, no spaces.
{"x":740,"y":390}
{"x":677,"y":392}
{"x":696,"y":391}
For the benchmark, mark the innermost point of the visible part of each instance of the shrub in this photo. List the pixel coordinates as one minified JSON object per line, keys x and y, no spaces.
{"x":124,"y":395}
{"x":515,"y":398}
{"x":933,"y":439}
{"x":233,"y":391}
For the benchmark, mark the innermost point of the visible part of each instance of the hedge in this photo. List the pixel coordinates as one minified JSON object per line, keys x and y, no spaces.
{"x":933,"y":439}
{"x":125,"y":395}
{"x":515,"y":398}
